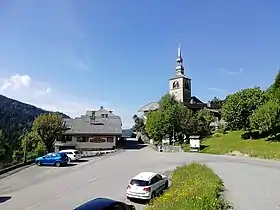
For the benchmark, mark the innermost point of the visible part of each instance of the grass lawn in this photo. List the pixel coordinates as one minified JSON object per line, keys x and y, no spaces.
{"x":227,"y":143}
{"x":193,"y":187}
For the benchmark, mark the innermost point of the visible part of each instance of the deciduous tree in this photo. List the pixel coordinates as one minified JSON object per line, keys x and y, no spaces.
{"x":155,"y":125}
{"x":139,"y":124}
{"x":169,"y":107}
{"x":49,"y":127}
{"x":239,"y":106}
{"x":203,"y":119}
{"x":273,"y":91}
{"x":2,"y":146}
{"x":267,"y":117}
{"x":217,"y":101}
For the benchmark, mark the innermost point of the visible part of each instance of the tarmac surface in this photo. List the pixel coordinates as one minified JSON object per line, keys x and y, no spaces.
{"x":250,"y":183}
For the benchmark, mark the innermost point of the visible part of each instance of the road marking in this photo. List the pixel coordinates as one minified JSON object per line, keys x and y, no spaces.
{"x":6,"y":186}
{"x":95,"y":178}
{"x":32,"y":207}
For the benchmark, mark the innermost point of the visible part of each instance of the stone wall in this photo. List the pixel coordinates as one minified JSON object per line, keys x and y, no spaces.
{"x":169,"y":148}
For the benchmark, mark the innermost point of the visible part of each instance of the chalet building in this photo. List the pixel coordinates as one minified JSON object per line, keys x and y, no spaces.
{"x":96,"y":130}
{"x":180,"y":87}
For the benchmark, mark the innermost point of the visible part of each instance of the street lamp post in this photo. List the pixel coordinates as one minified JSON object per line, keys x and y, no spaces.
{"x":25,"y":145}
{"x":173,"y":137}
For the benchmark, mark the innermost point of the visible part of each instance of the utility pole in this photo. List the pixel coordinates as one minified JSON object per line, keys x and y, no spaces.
{"x":25,"y":144}
{"x":173,"y":137}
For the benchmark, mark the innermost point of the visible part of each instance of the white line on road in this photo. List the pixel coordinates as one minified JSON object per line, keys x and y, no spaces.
{"x":32,"y":207}
{"x":95,"y":178}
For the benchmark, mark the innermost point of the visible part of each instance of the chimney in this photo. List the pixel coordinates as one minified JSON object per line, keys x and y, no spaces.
{"x":101,"y":107}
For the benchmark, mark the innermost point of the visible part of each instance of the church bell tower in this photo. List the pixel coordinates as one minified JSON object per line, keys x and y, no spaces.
{"x":180,"y":84}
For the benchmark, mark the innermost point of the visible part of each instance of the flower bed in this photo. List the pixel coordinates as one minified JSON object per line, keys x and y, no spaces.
{"x":194,"y":187}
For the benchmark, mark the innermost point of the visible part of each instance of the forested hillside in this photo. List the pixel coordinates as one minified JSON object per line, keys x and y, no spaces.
{"x":15,"y":116}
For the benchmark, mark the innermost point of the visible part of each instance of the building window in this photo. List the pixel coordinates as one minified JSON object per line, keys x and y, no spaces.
{"x":97,"y":139}
{"x":176,"y":84}
{"x":104,"y":115}
{"x":110,"y":139}
{"x":68,"y":138}
{"x":81,"y":139}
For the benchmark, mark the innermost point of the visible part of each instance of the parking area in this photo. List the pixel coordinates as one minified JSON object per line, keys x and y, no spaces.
{"x":34,"y":174}
{"x":45,"y":188}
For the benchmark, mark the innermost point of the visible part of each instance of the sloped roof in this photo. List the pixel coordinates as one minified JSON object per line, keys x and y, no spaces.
{"x":149,"y":107}
{"x":195,"y":100}
{"x":179,"y":75}
{"x":95,"y":124}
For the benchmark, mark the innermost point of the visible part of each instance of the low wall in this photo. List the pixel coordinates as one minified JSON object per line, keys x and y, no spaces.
{"x":14,"y":167}
{"x":168,"y":148}
{"x":96,"y":153}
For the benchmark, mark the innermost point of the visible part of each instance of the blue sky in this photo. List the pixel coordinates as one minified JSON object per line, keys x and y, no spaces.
{"x":76,"y":55}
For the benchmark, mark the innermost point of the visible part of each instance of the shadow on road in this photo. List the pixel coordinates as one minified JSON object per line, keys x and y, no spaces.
{"x":133,"y":145}
{"x":3,"y":199}
{"x":70,"y":165}
{"x":81,"y":161}
{"x":139,"y":201}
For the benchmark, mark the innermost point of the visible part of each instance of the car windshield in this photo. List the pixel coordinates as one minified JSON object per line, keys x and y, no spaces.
{"x":76,"y":152}
{"x":140,"y":183}
{"x":63,"y":155}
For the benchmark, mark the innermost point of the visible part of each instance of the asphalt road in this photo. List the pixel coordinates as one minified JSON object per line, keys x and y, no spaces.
{"x":250,"y":183}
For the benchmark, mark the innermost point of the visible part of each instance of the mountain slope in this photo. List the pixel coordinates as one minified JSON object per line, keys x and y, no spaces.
{"x":15,"y":116}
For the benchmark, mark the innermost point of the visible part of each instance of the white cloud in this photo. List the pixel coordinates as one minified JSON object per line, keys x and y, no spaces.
{"x":28,"y":90}
{"x":217,"y":90}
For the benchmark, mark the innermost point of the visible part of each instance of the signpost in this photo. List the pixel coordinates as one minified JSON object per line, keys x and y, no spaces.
{"x":194,"y":143}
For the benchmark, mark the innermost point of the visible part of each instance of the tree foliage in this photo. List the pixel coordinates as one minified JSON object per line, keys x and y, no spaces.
{"x":139,"y":124}
{"x":174,"y":119}
{"x":203,"y":119}
{"x":31,"y":144}
{"x":49,"y":127}
{"x":217,"y":101}
{"x":239,"y":106}
{"x":2,"y":146}
{"x":273,"y":91}
{"x":16,"y":116}
{"x":155,"y":125}
{"x":267,"y":117}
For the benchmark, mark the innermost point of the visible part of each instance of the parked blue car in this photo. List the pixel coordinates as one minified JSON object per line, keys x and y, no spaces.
{"x":55,"y":159}
{"x":105,"y":204}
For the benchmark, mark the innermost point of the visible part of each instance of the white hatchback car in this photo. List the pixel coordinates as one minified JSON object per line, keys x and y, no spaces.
{"x":72,"y":154}
{"x":146,"y":185}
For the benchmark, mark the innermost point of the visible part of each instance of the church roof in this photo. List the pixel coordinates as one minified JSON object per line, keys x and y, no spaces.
{"x":195,"y":100}
{"x":149,"y":107}
{"x":177,"y":76}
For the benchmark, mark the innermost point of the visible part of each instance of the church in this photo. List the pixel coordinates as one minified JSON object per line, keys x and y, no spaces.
{"x":180,"y":87}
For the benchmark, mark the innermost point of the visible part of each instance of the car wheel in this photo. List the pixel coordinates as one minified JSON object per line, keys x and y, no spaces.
{"x":166,"y":185}
{"x":38,"y":163}
{"x":153,"y":195}
{"x":57,"y":164}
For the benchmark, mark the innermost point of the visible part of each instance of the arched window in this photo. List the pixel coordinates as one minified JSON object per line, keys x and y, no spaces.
{"x":175,"y":84}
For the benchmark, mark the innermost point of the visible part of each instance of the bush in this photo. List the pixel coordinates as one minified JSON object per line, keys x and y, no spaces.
{"x":194,"y":187}
{"x":218,"y":134}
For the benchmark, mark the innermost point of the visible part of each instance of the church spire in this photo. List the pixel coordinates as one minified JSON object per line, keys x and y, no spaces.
{"x":179,"y":60}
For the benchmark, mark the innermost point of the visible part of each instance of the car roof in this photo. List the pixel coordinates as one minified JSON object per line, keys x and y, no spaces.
{"x":68,"y":150}
{"x":146,"y":176}
{"x":96,"y":204}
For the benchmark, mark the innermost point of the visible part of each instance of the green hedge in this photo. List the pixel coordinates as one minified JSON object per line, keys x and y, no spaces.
{"x":193,"y":187}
